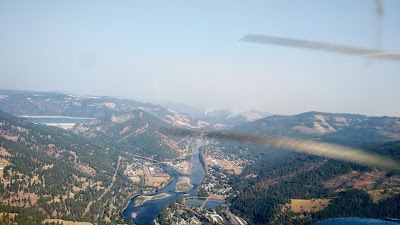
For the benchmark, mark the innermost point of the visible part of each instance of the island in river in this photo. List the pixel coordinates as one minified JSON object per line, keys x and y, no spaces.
{"x":183,"y":184}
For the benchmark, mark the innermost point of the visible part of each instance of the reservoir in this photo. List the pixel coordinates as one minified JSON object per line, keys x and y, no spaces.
{"x":46,"y":120}
{"x":57,"y":121}
{"x":147,"y":213}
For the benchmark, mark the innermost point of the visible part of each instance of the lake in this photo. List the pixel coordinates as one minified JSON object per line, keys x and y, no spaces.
{"x":45,"y":120}
{"x":61,"y":122}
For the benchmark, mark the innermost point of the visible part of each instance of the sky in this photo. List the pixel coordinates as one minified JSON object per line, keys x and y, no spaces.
{"x":189,"y":52}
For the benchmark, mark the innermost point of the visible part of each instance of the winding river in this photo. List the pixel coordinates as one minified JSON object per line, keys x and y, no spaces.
{"x":147,"y":213}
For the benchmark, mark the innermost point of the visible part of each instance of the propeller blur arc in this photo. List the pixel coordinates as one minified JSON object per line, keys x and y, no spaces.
{"x":322,"y":46}
{"x":327,"y":150}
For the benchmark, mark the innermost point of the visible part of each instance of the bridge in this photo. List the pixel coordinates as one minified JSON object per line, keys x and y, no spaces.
{"x":150,"y":159}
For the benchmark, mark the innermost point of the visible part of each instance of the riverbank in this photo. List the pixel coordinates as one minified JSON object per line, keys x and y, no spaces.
{"x":140,"y":200}
{"x":203,"y":159}
{"x":66,"y":222}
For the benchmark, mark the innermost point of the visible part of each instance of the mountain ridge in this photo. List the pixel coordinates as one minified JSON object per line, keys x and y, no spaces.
{"x":314,"y":124}
{"x":136,"y":132}
{"x":31,"y":103}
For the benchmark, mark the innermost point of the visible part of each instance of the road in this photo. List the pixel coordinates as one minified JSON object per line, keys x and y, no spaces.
{"x":231,"y":217}
{"x":204,"y":203}
{"x":150,"y":159}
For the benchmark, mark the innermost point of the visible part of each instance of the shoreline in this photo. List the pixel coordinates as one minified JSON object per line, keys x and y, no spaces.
{"x":59,"y":124}
{"x":56,"y":117}
{"x":145,"y":198}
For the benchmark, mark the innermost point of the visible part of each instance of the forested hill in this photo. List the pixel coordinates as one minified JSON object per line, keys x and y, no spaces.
{"x":293,"y":188}
{"x":57,"y":104}
{"x":50,"y":172}
{"x":284,"y":187}
{"x":134,"y":132}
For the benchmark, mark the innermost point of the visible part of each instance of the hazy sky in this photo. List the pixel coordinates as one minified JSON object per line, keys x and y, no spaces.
{"x":188,"y":52}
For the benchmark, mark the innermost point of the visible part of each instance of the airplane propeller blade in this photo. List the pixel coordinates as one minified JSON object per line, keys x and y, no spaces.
{"x":332,"y":151}
{"x":322,"y":46}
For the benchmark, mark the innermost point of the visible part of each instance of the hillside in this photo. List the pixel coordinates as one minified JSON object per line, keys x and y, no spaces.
{"x":50,"y":172}
{"x":231,"y":119}
{"x":326,"y":126}
{"x":276,"y":177}
{"x":56,"y":104}
{"x":134,"y":132}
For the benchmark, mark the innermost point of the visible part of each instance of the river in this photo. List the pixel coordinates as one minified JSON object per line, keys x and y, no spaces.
{"x":146,"y":213}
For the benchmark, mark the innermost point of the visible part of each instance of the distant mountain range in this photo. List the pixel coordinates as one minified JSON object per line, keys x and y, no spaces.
{"x":334,"y":127}
{"x":22,"y":103}
{"x":343,"y":128}
{"x":230,"y":118}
